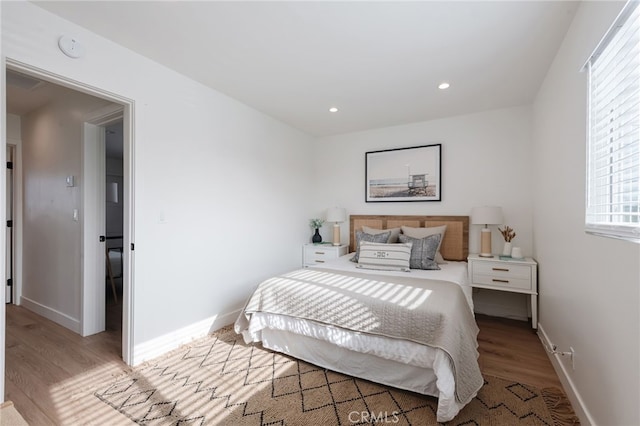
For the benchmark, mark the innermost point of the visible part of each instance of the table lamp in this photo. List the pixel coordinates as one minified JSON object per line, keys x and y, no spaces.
{"x":336,"y":215}
{"x":486,"y":215}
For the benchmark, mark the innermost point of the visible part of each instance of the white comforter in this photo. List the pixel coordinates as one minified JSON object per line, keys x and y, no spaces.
{"x":456,"y":272}
{"x":399,"y":351}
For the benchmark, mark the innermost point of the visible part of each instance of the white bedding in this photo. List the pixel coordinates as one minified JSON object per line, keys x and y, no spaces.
{"x":398,"y":363}
{"x":456,"y":272}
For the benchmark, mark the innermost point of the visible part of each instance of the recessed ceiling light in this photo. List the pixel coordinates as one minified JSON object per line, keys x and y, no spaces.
{"x":443,"y":86}
{"x":333,"y":109}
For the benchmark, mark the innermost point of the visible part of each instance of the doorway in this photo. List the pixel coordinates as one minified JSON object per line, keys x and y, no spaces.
{"x":80,"y":213}
{"x":114,"y":221}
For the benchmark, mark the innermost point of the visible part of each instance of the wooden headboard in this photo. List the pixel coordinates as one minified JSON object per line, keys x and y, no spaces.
{"x":455,"y":245}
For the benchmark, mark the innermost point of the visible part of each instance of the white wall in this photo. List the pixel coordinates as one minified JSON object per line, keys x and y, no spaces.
{"x":220,"y":188}
{"x":589,"y":297}
{"x":13,"y":127}
{"x":485,"y":161}
{"x":51,"y":151}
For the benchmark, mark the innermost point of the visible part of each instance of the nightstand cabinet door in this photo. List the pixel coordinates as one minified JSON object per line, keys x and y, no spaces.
{"x":317,"y":254}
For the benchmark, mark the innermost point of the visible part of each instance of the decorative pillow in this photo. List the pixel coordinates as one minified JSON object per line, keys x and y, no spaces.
{"x":423,"y":251}
{"x":383,"y":256}
{"x":371,"y":238}
{"x":425,"y":232}
{"x":393,"y":238}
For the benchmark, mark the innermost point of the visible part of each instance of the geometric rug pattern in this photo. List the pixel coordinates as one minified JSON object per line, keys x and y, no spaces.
{"x":219,"y":380}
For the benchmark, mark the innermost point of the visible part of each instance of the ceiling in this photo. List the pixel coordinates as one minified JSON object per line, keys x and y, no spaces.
{"x":25,"y":94}
{"x":379,"y":63}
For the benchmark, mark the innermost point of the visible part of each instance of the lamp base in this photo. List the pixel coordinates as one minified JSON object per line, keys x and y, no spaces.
{"x":336,"y":234}
{"x":485,"y":243}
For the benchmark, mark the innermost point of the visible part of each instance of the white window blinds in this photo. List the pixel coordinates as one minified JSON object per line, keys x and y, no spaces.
{"x":613,"y":165}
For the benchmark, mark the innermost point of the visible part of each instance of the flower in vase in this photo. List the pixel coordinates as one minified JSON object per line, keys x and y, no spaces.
{"x":316,"y":223}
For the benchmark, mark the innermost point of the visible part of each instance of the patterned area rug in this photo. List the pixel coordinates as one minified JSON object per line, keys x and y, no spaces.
{"x":218,"y":380}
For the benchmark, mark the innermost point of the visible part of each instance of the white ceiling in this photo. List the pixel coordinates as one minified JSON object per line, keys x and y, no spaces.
{"x":25,"y":94}
{"x":379,"y":62}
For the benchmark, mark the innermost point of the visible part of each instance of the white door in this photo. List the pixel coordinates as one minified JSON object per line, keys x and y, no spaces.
{"x":93,"y":230}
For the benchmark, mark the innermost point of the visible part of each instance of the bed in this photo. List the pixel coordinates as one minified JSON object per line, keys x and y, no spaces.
{"x":412,"y":330}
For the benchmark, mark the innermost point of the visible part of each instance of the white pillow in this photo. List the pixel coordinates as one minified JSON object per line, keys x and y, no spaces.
{"x":420,"y":233}
{"x":393,"y":238}
{"x":387,"y":257}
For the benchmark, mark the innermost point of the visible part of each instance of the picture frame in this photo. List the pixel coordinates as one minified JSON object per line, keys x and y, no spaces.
{"x":404,"y":174}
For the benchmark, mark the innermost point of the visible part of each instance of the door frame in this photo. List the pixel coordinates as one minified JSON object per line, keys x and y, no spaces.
{"x":16,"y":144}
{"x":127,"y":110}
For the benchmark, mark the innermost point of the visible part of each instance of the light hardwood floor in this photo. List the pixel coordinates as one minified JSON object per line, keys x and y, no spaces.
{"x":512,"y":350}
{"x":51,"y":370}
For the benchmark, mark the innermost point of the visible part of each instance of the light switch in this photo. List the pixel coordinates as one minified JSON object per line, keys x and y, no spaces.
{"x":75,"y":215}
{"x":71,"y":181}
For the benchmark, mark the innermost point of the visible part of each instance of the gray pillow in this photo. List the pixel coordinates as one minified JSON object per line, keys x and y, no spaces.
{"x":425,"y":232}
{"x":423,"y":251}
{"x":393,"y":238}
{"x":371,"y":238}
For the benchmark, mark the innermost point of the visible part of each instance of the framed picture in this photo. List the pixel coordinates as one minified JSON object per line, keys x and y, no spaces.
{"x":404,"y":174}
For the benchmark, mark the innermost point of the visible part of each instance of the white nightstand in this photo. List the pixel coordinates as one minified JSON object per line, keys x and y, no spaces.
{"x":516,"y":276}
{"x":317,"y":254}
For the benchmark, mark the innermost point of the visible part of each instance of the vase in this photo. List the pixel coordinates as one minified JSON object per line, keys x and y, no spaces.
{"x":317,"y":238}
{"x":506,"y":251}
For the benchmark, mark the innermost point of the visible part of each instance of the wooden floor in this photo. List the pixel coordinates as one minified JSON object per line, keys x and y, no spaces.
{"x":512,"y":350}
{"x":51,"y":370}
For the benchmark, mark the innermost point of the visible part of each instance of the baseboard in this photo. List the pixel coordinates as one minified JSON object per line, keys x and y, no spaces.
{"x":163,"y":344}
{"x":58,"y":317}
{"x":572,"y":393}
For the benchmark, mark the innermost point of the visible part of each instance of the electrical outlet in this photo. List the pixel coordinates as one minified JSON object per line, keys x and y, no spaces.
{"x":573,"y":358}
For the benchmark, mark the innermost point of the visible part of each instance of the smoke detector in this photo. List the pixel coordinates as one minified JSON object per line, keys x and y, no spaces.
{"x":71,"y":47}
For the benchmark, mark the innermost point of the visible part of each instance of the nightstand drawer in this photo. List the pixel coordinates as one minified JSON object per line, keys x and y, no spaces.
{"x":318,"y":254}
{"x":503,"y":281}
{"x":502,"y":270}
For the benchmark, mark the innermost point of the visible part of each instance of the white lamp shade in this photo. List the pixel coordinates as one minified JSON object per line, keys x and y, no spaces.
{"x":486,"y":215}
{"x":336,"y":214}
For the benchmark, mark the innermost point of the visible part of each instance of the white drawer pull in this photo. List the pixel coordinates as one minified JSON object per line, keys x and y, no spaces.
{"x":501,"y":269}
{"x":495,"y":280}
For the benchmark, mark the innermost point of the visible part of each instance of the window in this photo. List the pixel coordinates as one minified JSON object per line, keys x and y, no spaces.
{"x":613,"y":163}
